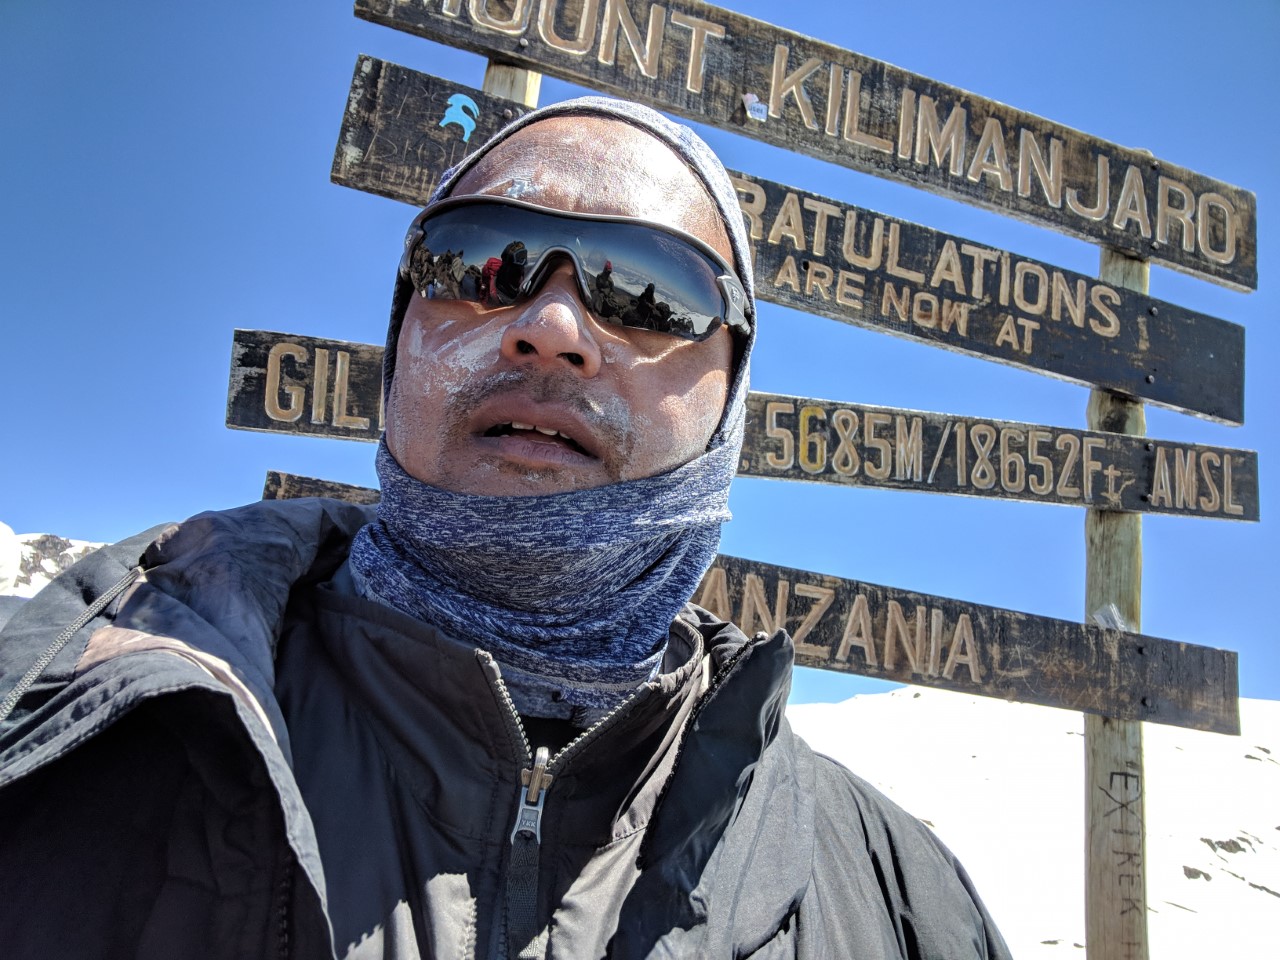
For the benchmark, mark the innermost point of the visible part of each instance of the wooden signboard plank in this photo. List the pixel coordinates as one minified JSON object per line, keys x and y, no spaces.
{"x":740,"y":74}
{"x":861,"y":267}
{"x":826,"y":441}
{"x":304,"y":385}
{"x":874,"y":271}
{"x":894,"y":634}
{"x":288,"y":486}
{"x":384,"y":142}
{"x":875,"y":631}
{"x":290,"y":384}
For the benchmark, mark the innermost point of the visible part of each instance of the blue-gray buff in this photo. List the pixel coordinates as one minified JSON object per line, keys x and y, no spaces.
{"x":572,"y":593}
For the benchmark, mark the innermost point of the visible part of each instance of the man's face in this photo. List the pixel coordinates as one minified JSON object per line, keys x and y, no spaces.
{"x":541,"y":397}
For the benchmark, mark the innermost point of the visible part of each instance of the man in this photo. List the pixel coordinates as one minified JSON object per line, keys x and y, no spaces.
{"x":484,"y":722}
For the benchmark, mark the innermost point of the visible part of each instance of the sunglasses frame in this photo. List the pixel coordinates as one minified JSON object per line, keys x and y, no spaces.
{"x":732,"y":293}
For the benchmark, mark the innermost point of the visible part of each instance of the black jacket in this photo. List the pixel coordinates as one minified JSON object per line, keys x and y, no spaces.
{"x":183,"y":776}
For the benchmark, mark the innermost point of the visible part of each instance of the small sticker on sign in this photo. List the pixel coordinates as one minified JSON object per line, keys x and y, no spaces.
{"x":756,"y":109}
{"x":462,"y":112}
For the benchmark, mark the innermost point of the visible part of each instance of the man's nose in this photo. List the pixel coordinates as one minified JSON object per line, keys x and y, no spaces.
{"x":553,"y":327}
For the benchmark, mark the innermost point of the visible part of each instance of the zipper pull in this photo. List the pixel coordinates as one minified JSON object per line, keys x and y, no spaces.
{"x":533,"y":791}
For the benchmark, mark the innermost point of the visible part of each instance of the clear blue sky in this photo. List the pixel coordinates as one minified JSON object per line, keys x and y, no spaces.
{"x":165,"y":180}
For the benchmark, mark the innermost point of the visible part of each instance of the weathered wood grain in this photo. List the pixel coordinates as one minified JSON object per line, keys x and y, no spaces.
{"x":274,"y":387}
{"x":861,"y":267}
{"x":513,"y":83}
{"x":402,"y":129}
{"x":895,"y":634}
{"x":1115,"y":840}
{"x":753,"y":78}
{"x":851,"y":264}
{"x":825,"y":441}
{"x":1115,"y":775}
{"x":289,"y":486}
{"x":875,"y":631}
{"x":304,"y":385}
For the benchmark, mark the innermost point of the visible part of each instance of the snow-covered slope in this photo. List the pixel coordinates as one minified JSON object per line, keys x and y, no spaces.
{"x":1003,"y":785}
{"x":28,"y":561}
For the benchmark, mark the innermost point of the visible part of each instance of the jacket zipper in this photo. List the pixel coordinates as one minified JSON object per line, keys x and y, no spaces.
{"x":533,"y":792}
{"x":284,"y":897}
{"x":525,"y":941}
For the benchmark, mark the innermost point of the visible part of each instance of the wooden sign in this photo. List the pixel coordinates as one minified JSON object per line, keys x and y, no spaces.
{"x":864,"y":268}
{"x":288,"y":486}
{"x":743,"y":75}
{"x":855,"y":627}
{"x":825,"y":441}
{"x":287,"y":384}
{"x":877,"y":631}
{"x":402,"y":129}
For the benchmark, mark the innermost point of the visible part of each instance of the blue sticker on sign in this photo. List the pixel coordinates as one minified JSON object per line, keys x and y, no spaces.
{"x":462,"y":111}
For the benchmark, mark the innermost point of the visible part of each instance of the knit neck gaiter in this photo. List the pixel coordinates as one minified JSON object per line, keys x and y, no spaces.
{"x":572,"y":593}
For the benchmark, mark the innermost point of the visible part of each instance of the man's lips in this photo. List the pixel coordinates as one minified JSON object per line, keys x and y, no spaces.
{"x":528,"y":429}
{"x":534,"y":433}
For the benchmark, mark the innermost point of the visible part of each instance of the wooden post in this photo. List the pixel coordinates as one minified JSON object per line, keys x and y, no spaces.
{"x":1115,"y":859}
{"x":512,"y":82}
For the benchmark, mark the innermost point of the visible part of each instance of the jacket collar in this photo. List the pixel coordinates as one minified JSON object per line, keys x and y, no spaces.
{"x":438,"y":708}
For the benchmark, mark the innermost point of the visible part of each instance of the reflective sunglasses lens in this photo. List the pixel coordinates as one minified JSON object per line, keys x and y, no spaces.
{"x":633,"y":275}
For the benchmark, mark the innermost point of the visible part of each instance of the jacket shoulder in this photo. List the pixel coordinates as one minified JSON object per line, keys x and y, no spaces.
{"x":218,"y":582}
{"x":31,"y":624}
{"x":881,"y":876}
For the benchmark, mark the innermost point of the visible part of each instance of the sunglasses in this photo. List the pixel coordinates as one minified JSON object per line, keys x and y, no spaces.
{"x":631,"y":273}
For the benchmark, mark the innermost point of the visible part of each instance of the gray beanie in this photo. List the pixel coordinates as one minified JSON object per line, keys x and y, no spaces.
{"x":691,"y":148}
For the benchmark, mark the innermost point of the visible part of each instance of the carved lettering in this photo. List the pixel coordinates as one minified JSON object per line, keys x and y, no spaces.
{"x":1215,"y":209}
{"x":586,"y":33}
{"x":875,"y":248}
{"x":783,"y":84}
{"x":696,"y":65}
{"x":852,"y":111}
{"x":755,"y":607}
{"x":513,"y":25}
{"x":857,"y":633}
{"x":823,"y":212}
{"x":949,"y":269}
{"x":990,"y":158}
{"x":286,"y":411}
{"x":753,"y":207}
{"x":647,"y":52}
{"x":823,"y":597}
{"x":1182,"y":213}
{"x":788,"y":223}
{"x":1161,"y":488}
{"x":1131,"y":206}
{"x":1209,"y":500}
{"x":341,"y":381}
{"x":1102,"y":194}
{"x":937,"y":142}
{"x":964,"y":649}
{"x":1031,"y":160}
{"x":788,"y":275}
{"x":320,"y":391}
{"x":1184,"y":479}
{"x":898,"y":634}
{"x":891,"y":264}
